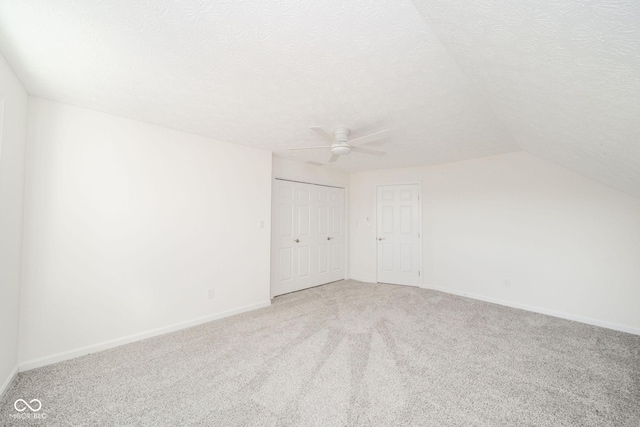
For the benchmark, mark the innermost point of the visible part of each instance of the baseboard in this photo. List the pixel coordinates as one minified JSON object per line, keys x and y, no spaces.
{"x":7,"y":384}
{"x":71,"y":354}
{"x":587,"y":320}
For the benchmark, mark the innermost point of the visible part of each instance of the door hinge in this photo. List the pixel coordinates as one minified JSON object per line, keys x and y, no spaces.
{"x":418,"y":272}
{"x":418,"y":235}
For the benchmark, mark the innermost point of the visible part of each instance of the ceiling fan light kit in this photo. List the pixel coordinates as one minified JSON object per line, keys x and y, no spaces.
{"x":341,"y":150}
{"x":340,"y":144}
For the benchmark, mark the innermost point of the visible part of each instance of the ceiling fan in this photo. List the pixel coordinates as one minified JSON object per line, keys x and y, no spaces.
{"x":340,"y":144}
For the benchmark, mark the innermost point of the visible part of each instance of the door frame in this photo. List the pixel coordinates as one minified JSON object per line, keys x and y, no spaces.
{"x":274,"y":218}
{"x":419,"y":184}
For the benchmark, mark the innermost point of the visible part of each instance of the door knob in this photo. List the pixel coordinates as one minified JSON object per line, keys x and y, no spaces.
{"x":297,"y":240}
{"x":381,"y":238}
{"x":329,"y":238}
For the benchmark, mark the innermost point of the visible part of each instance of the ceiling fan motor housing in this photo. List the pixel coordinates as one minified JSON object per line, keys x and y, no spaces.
{"x":342,"y":135}
{"x":342,"y":138}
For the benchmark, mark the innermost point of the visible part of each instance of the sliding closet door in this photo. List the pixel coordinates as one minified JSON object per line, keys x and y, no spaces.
{"x":308,"y":236}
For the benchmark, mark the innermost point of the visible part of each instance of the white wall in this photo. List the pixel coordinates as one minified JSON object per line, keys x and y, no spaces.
{"x":12,"y":160}
{"x":570,"y":246}
{"x":128,"y":225}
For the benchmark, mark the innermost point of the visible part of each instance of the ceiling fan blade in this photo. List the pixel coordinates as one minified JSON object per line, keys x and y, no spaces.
{"x":368,"y":151}
{"x":310,"y":148}
{"x":323,"y":133}
{"x":315,"y":163}
{"x":333,"y":158}
{"x":369,"y":138}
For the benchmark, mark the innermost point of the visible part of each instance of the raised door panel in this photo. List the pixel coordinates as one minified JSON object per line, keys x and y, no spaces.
{"x":285,"y":260}
{"x":338,"y":257}
{"x":323,"y":258}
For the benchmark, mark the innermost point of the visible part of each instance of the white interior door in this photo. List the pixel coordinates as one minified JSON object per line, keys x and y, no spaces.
{"x":399,"y":243}
{"x":308,"y":236}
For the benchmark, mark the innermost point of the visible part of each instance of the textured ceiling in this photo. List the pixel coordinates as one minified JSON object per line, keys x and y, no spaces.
{"x":563,"y":76}
{"x":451,"y":79}
{"x":258,"y":73}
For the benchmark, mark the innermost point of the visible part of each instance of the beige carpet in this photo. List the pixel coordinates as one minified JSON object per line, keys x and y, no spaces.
{"x":349,"y":354}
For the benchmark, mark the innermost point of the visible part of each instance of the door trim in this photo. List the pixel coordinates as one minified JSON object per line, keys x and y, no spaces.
{"x":419,"y":184}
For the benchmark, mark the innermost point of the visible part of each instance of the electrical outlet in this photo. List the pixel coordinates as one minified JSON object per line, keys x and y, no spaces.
{"x":506,"y":283}
{"x":212,"y":293}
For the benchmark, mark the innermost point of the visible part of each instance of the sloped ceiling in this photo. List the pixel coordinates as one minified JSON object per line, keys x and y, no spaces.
{"x":562,"y":75}
{"x":451,"y":79}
